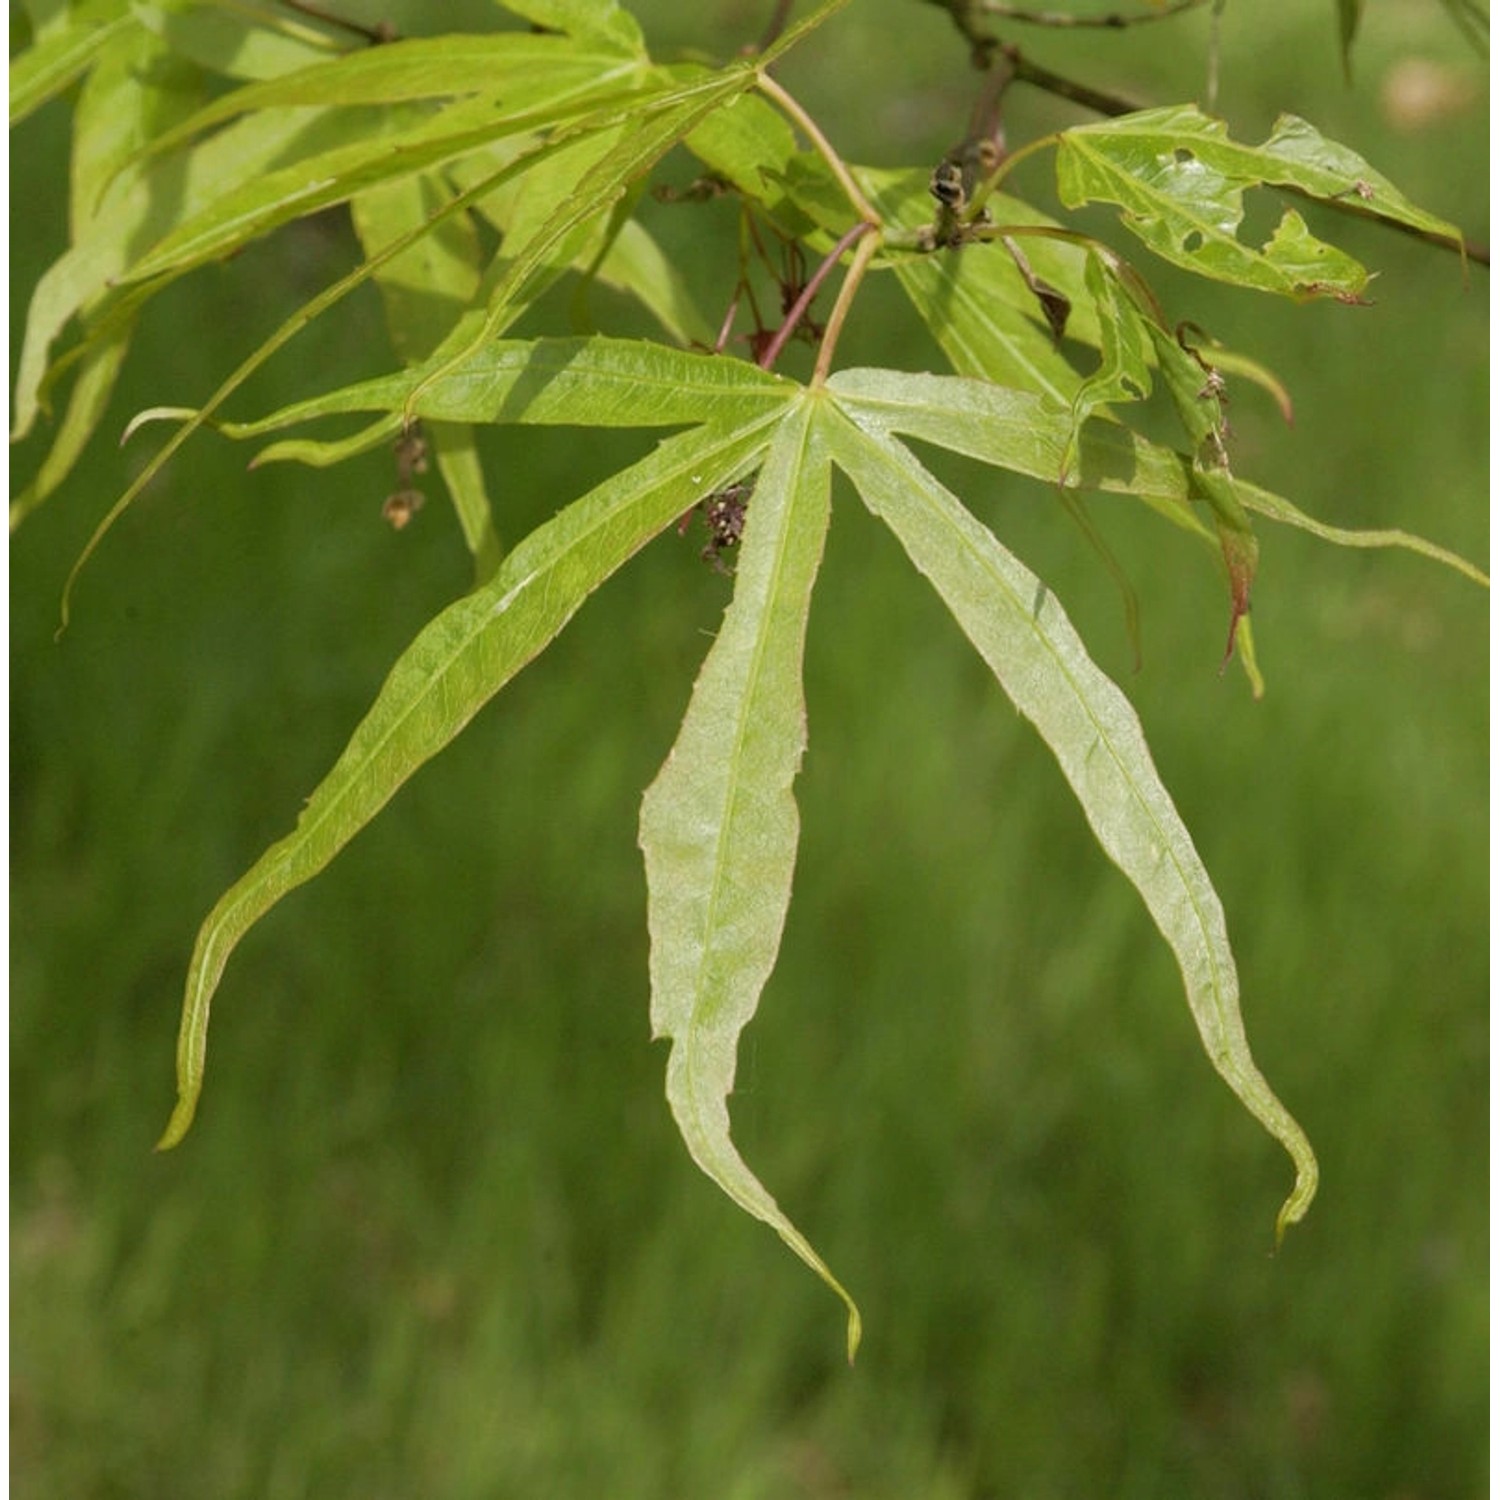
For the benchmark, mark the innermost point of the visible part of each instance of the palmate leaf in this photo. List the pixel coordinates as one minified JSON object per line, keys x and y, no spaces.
{"x":455,"y":665}
{"x":655,"y":126}
{"x":1180,"y":182}
{"x":180,"y":206}
{"x":1021,"y":631}
{"x":719,"y":824}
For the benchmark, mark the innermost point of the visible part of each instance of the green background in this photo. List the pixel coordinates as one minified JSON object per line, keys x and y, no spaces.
{"x":433,"y":1234}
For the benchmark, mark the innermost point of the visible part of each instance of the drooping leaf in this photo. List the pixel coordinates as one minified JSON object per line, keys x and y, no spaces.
{"x":518,"y":71}
{"x":1019,"y":432}
{"x":454,"y":666}
{"x":64,"y":54}
{"x":427,"y":286}
{"x":457,"y":453}
{"x":652,"y":130}
{"x":656,"y":128}
{"x":1181,"y":181}
{"x":275,"y":198}
{"x":1276,"y":508}
{"x":178,"y":212}
{"x":137,"y":90}
{"x":134,"y":91}
{"x":719,"y":824}
{"x":1017,"y":625}
{"x":593,"y":382}
{"x":137,"y":208}
{"x":87,"y":402}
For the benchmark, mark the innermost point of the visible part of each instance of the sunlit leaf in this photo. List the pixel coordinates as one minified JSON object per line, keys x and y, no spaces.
{"x":137,"y":90}
{"x":1020,"y":432}
{"x":448,"y":673}
{"x":93,"y":385}
{"x":1017,"y":625}
{"x":594,"y":382}
{"x":137,"y":208}
{"x":652,"y":131}
{"x":719,"y":824}
{"x":518,"y":71}
{"x":58,"y":59}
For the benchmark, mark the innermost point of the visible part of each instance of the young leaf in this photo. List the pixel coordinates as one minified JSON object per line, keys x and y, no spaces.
{"x":454,"y":666}
{"x":719,"y":824}
{"x":1124,"y":372}
{"x":1018,"y":627}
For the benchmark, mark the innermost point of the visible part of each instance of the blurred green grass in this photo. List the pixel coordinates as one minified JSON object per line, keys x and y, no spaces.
{"x":433,"y":1234}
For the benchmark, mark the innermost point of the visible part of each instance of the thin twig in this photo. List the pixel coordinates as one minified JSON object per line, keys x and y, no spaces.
{"x":382,"y":31}
{"x":1116,"y":22}
{"x":798,"y":309}
{"x":1054,"y":83}
{"x":774,"y":90}
{"x":867,"y":248}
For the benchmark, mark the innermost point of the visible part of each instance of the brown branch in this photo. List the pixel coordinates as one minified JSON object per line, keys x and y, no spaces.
{"x":1078,"y":93}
